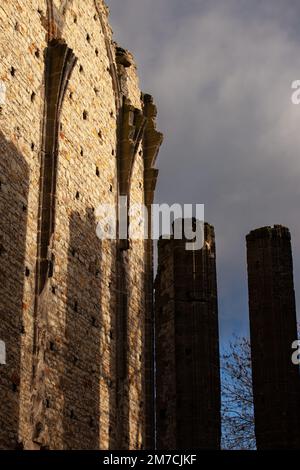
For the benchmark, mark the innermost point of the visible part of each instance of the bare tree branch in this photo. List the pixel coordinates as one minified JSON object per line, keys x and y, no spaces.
{"x":237,"y":398}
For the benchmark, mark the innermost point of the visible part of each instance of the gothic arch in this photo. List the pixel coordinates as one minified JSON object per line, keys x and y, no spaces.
{"x":59,"y":64}
{"x":56,"y":18}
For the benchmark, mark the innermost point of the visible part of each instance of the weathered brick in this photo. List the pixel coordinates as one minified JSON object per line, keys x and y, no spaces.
{"x":60,"y":388}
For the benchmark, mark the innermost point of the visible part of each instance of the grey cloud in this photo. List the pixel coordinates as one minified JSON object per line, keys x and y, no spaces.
{"x":221,"y":73}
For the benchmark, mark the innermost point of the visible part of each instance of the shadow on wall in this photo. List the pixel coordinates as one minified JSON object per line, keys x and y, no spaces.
{"x":122,"y":352}
{"x":88,"y":361}
{"x":14,"y":183}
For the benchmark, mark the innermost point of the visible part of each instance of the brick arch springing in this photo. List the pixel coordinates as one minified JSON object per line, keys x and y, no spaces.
{"x":59,"y":63}
{"x":56,"y":18}
{"x":152,"y":142}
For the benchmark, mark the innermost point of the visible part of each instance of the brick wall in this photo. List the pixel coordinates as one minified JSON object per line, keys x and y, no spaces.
{"x":187,"y":346}
{"x":65,"y":150}
{"x":273,"y":330}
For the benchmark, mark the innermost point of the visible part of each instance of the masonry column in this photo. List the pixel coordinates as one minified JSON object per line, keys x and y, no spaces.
{"x":273,"y":329}
{"x":187,"y":346}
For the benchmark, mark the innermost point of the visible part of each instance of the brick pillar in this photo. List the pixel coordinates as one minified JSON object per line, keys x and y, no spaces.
{"x":273,"y":329}
{"x":187,"y":346}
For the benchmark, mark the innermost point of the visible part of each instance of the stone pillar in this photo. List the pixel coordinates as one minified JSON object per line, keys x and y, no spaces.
{"x":187,"y":346}
{"x":273,"y":329}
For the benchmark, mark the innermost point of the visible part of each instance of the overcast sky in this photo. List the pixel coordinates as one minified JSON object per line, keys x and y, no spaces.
{"x":221,"y":74}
